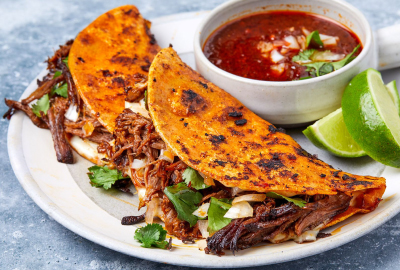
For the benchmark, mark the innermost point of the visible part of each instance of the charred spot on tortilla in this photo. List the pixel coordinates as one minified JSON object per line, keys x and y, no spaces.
{"x":240,"y":122}
{"x":235,"y":114}
{"x":273,"y":129}
{"x":192,"y":101}
{"x":216,"y":140}
{"x":106,"y":73}
{"x":235,"y":132}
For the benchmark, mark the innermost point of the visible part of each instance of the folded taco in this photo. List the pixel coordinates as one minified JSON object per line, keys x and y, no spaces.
{"x":91,"y":80}
{"x":210,"y":168}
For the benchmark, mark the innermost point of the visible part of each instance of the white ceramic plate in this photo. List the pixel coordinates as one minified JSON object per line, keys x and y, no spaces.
{"x":63,"y":191}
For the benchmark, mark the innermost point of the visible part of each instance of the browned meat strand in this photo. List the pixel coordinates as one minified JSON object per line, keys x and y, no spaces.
{"x":136,"y":93}
{"x":269,"y":221}
{"x":86,"y":126}
{"x":43,"y":89}
{"x":18,"y":106}
{"x":62,"y":52}
{"x":73,"y":95}
{"x":55,"y":121}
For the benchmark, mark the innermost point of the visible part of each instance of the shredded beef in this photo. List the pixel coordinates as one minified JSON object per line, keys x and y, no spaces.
{"x":44,"y":89}
{"x":268,"y":221}
{"x":55,"y":121}
{"x":131,"y":220}
{"x":136,"y":92}
{"x":18,"y":106}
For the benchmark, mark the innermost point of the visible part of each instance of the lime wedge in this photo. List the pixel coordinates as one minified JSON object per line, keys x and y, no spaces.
{"x":394,"y":94}
{"x":330,"y":133}
{"x":372,"y":118}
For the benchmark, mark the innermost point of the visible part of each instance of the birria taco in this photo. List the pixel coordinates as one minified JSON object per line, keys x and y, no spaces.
{"x":202,"y":162}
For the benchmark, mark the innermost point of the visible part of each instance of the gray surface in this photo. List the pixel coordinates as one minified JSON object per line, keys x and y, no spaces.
{"x":29,"y":32}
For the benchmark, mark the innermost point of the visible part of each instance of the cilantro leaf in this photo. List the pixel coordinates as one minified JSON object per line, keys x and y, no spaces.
{"x":303,"y":56}
{"x":42,"y":105}
{"x":346,"y":60}
{"x":325,"y":69}
{"x":152,"y":235}
{"x":57,"y":74}
{"x":297,"y":201}
{"x":145,"y":100}
{"x":315,"y":65}
{"x":314,"y":39}
{"x":191,"y":176}
{"x":184,"y":200}
{"x":65,"y":60}
{"x":103,"y":176}
{"x":61,"y":91}
{"x":216,"y":212}
{"x":305,"y":78}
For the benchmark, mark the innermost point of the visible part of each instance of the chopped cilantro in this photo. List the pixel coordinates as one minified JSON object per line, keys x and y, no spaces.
{"x":322,"y":68}
{"x":152,"y":235}
{"x":65,"y":60}
{"x":305,"y":78}
{"x":191,"y":176}
{"x":303,"y":56}
{"x":297,"y":201}
{"x":216,"y":212}
{"x":346,"y":60}
{"x":61,"y":90}
{"x":103,"y":176}
{"x":315,"y":65}
{"x":57,"y":74}
{"x":185,"y":201}
{"x":42,"y":105}
{"x":314,"y":39}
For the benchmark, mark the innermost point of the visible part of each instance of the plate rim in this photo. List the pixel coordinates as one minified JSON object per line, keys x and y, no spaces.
{"x":28,"y":183}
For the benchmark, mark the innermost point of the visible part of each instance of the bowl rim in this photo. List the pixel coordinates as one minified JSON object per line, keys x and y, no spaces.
{"x":199,"y":54}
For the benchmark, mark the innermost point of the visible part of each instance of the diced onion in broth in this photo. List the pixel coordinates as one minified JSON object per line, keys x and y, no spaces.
{"x":276,"y":56}
{"x":291,"y":42}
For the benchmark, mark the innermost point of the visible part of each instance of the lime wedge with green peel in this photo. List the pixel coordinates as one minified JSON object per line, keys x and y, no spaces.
{"x":394,"y":94}
{"x":372,"y":118}
{"x":330,"y":133}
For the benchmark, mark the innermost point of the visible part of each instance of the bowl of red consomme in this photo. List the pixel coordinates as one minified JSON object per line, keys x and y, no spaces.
{"x":288,"y":61}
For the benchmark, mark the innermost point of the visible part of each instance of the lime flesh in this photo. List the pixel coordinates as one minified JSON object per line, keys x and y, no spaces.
{"x":330,"y":133}
{"x":394,"y":94}
{"x":372,"y":118}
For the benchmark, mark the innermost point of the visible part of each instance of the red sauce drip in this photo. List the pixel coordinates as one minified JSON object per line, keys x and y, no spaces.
{"x":233,"y":46}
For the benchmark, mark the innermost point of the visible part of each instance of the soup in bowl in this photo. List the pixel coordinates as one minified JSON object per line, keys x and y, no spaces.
{"x":267,"y":72}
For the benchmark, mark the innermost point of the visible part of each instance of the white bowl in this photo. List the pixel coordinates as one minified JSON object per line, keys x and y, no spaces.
{"x":291,"y":103}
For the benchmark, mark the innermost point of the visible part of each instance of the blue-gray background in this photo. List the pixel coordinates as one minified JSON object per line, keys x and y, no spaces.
{"x":29,"y":239}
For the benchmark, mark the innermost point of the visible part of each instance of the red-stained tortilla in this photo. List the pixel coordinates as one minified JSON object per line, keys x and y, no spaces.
{"x":214,"y":133}
{"x":106,"y":57}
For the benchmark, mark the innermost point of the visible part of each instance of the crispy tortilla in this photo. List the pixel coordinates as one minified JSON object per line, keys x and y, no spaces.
{"x":105,"y":58}
{"x":214,"y":133}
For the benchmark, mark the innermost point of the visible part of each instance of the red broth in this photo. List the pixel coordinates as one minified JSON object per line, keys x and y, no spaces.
{"x":239,"y":46}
